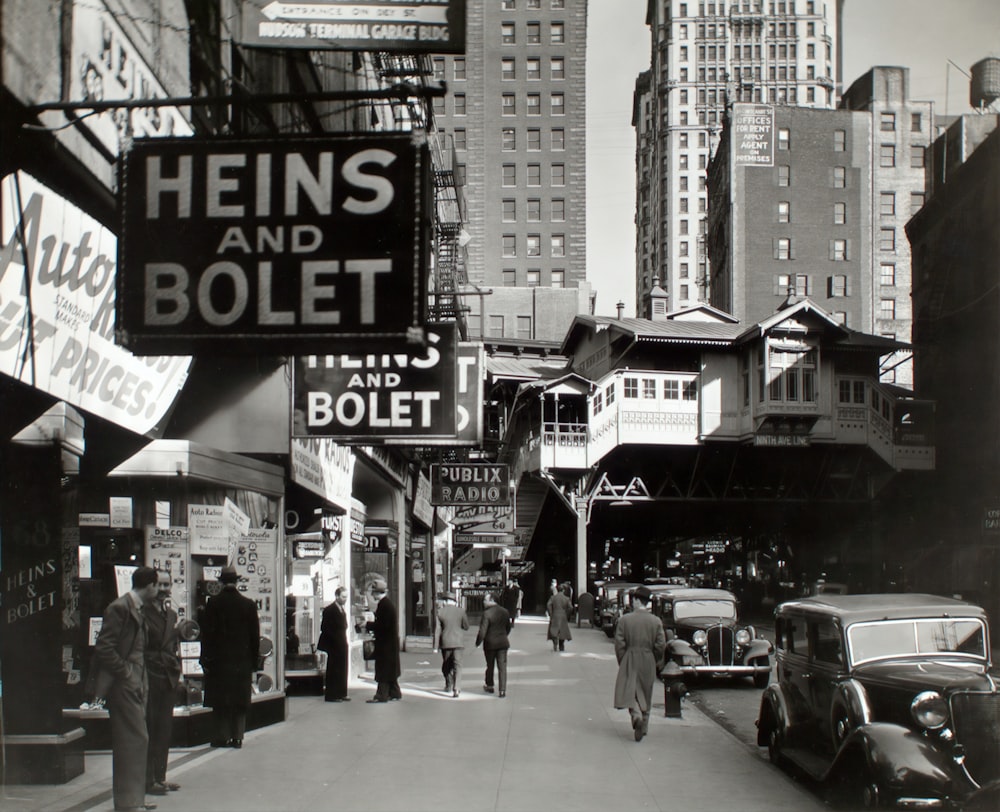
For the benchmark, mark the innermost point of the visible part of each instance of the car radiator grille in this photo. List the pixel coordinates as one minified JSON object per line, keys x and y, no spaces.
{"x":721,"y":645}
{"x":977,"y":728}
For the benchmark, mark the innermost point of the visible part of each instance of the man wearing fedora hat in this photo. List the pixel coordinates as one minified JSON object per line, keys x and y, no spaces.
{"x":385,"y":628}
{"x":451,"y":625}
{"x":639,"y":646}
{"x":230,"y":646}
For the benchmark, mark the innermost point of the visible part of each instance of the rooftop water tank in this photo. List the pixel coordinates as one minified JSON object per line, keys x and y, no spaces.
{"x":984,"y":87}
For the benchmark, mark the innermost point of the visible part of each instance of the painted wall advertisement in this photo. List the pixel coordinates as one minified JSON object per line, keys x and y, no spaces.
{"x":63,"y":262}
{"x":753,"y":135}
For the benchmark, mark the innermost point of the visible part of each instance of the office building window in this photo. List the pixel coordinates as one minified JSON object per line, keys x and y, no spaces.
{"x":509,"y":245}
{"x":534,"y":104}
{"x":916,"y":122}
{"x":784,"y":138}
{"x":917,"y":157}
{"x":509,"y":278}
{"x":461,"y":142}
{"x":783,"y":248}
{"x":508,"y":139}
{"x":533,"y":69}
{"x":524,"y":327}
{"x":631,"y":388}
{"x":683,"y":249}
{"x":558,"y":210}
{"x":684,"y":206}
{"x":507,"y":69}
{"x":507,"y":36}
{"x":887,"y":309}
{"x":558,"y":104}
{"x":534,"y":33}
{"x":534,"y":174}
{"x":557,"y":67}
{"x":887,"y":204}
{"x":508,"y":104}
{"x":509,"y":210}
{"x":797,"y":284}
{"x":839,"y":286}
{"x":684,"y":227}
{"x":438,"y":103}
{"x":458,"y":70}
{"x":887,"y":239}
{"x":839,"y":140}
{"x":558,"y":139}
{"x":838,"y":250}
{"x":784,"y":211}
{"x":459,"y":104}
{"x":558,"y":174}
{"x":508,"y":5}
{"x":496,"y":326}
{"x":683,"y":183}
{"x":534,"y":277}
{"x":839,"y":214}
{"x":534,"y":139}
{"x":839,"y":177}
{"x":558,"y":278}
{"x":887,"y":122}
{"x":784,"y":175}
{"x":887,"y":155}
{"x":534,"y":210}
{"x":534,"y":245}
{"x":558,"y":245}
{"x":558,"y":3}
{"x":439,"y":68}
{"x":887,"y":273}
{"x":557,"y":33}
{"x":916,"y":202}
{"x":509,"y":175}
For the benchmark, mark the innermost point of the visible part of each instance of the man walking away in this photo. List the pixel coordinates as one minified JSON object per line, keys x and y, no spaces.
{"x":385,"y":628}
{"x":230,"y":647}
{"x":119,"y":652}
{"x":164,"y":668}
{"x":639,"y":647}
{"x":494,"y":627}
{"x":510,"y":598}
{"x":452,"y":622}
{"x":333,"y":640}
{"x":585,"y":608}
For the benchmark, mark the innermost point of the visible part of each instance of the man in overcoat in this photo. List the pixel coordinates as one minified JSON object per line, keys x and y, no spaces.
{"x":452,"y":621}
{"x":494,"y":628}
{"x":639,"y":646}
{"x":385,"y":628}
{"x":119,"y":654}
{"x":163,"y":666}
{"x":559,"y":609}
{"x":333,"y":640}
{"x":230,"y":647}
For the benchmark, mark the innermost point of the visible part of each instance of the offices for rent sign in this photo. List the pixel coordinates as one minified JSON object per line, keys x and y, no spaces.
{"x":57,"y":308}
{"x":270,"y":245}
{"x":753,"y":135}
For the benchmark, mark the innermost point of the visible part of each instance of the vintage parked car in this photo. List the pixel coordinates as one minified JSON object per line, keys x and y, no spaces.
{"x":705,"y":636}
{"x":887,"y":699}
{"x":610,"y":604}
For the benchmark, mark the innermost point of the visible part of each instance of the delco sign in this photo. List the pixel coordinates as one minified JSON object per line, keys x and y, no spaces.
{"x":470,"y":484}
{"x":379,"y":393}
{"x":247,"y":245}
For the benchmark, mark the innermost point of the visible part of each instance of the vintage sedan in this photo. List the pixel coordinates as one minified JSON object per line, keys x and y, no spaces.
{"x":610,"y":603}
{"x":705,"y":636}
{"x":887,"y":699}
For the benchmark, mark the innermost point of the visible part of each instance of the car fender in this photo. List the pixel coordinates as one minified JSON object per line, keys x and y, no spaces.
{"x":850,"y":703}
{"x":758,"y":648}
{"x":773,"y":706}
{"x":679,"y":647}
{"x":897,"y":756}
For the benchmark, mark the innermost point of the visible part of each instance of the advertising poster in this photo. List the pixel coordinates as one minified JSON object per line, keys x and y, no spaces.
{"x":753,"y":134}
{"x":209,"y":533}
{"x":260,"y":580}
{"x":167,"y":551}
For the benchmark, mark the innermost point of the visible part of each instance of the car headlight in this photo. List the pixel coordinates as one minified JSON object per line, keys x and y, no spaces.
{"x":929,"y":710}
{"x":742,"y":637}
{"x":699,"y":638}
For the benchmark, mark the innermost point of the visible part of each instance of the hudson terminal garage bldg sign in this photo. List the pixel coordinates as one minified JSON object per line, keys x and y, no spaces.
{"x":251,"y":245}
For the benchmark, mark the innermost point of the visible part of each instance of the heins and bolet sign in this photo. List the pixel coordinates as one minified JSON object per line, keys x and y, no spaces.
{"x":271,"y":243}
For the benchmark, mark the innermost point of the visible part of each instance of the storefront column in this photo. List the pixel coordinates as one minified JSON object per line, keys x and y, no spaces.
{"x":581,"y":504}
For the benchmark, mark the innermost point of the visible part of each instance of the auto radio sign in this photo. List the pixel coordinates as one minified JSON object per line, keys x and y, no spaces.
{"x":251,"y":245}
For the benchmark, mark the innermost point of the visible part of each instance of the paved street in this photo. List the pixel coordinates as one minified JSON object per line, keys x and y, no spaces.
{"x":555,"y":743}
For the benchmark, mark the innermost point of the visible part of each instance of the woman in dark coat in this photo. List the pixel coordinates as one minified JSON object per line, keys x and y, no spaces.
{"x":385,"y":627}
{"x":230,"y":646}
{"x":559,"y":609}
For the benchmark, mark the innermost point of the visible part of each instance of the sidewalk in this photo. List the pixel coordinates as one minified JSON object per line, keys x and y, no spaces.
{"x":555,"y":743}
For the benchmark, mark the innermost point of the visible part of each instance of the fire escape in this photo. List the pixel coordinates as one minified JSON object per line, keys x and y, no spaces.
{"x":449,"y":250}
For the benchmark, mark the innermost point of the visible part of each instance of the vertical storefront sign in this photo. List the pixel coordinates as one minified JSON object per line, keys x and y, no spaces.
{"x":167,"y":550}
{"x":256,"y":563}
{"x":57,"y":312}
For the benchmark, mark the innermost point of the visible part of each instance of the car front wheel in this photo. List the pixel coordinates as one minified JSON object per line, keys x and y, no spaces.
{"x":774,"y":744}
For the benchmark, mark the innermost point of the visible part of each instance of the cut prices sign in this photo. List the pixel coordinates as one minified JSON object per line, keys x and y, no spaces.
{"x":380,"y":392}
{"x":271,"y":245}
{"x":57,"y":312}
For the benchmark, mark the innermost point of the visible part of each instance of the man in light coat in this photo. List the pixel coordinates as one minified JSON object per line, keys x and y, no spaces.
{"x":452,"y":622}
{"x":639,"y":646}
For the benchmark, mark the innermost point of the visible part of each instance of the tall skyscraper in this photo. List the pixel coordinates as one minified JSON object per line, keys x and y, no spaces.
{"x":516,"y":111}
{"x":705,"y":55}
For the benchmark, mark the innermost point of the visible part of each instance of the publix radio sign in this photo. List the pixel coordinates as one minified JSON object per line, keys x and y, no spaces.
{"x":470,"y":484}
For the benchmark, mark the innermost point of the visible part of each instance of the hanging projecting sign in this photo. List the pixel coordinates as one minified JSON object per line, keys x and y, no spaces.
{"x":470,"y":483}
{"x":363,"y":25}
{"x":379,"y":391}
{"x":254,"y":245}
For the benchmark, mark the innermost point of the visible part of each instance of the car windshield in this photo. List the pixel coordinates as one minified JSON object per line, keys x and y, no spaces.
{"x":704,"y":608}
{"x":906,"y":638}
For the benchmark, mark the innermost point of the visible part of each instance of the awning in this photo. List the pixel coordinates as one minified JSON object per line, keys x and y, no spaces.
{"x":201,"y":463}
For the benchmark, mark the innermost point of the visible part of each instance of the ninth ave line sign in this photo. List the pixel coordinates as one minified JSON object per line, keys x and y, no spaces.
{"x":470,"y":484}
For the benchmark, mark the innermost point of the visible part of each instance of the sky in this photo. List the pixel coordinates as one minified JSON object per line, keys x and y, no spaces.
{"x":937,"y":40}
